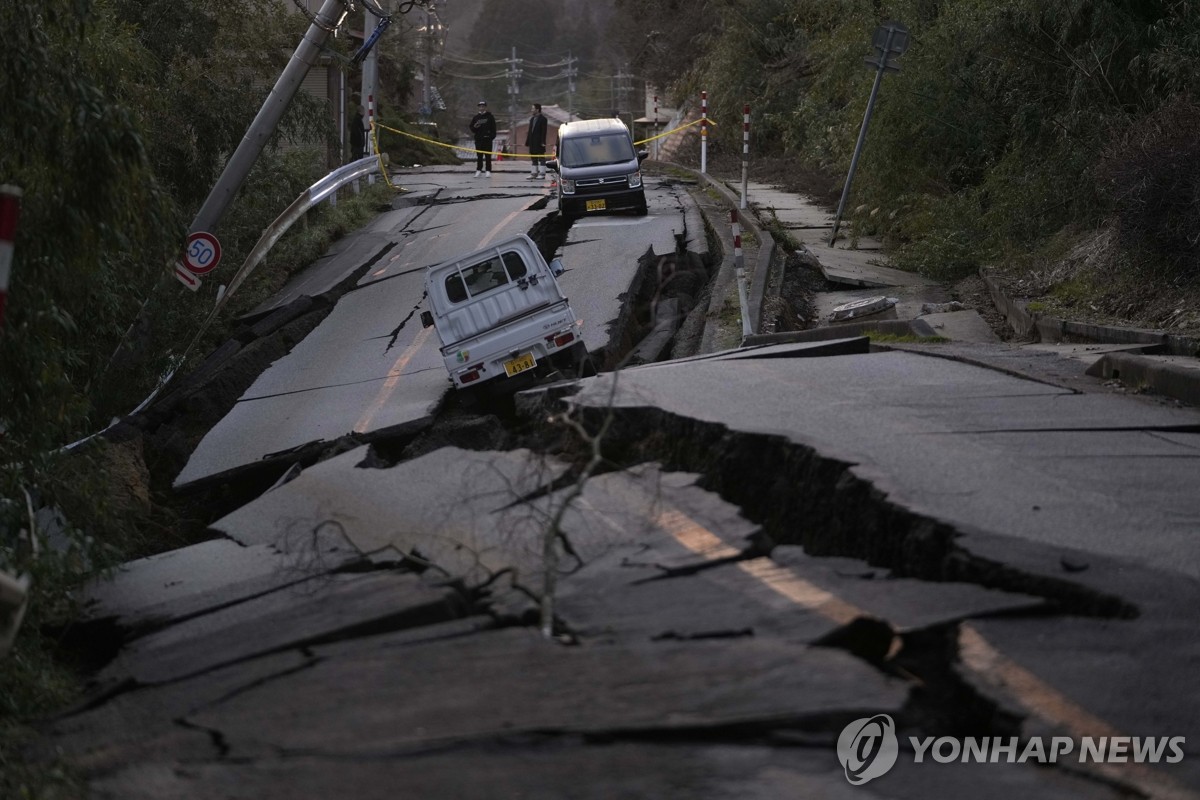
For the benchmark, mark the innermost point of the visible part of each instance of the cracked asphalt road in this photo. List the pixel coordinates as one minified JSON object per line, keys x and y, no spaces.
{"x":780,"y":541}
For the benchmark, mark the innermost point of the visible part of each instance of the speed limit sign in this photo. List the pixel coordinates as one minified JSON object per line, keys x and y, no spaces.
{"x":202,"y":253}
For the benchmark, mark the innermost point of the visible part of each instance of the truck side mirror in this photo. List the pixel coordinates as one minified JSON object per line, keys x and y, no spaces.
{"x":557,"y":268}
{"x":426,"y":319}
{"x":552,"y":164}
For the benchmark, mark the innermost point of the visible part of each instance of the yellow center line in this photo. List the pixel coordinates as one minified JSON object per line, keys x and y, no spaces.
{"x":1045,"y":702}
{"x":705,"y":543}
{"x":977,"y":654}
{"x":389,"y":385}
{"x":498,"y":227}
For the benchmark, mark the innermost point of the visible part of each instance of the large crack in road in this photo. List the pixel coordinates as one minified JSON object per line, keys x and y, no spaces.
{"x":701,"y":559}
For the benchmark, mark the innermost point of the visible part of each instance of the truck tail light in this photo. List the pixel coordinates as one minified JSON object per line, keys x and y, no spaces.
{"x":470,"y":374}
{"x":560,"y":339}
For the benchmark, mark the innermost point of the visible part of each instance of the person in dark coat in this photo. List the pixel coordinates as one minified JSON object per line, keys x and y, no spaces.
{"x":483,"y":126}
{"x":358,"y":135}
{"x":535,"y":140}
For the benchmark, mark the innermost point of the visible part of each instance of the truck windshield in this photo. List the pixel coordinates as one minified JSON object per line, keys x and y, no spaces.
{"x":595,"y":151}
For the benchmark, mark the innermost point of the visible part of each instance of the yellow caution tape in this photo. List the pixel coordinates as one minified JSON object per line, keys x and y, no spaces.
{"x":676,"y":130}
{"x":382,"y":166}
{"x":427,"y":140}
{"x":459,"y":147}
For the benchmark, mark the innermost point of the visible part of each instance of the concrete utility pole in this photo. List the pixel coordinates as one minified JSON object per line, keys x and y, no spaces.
{"x":571,"y":72}
{"x":370,"y":69}
{"x":263,"y":126}
{"x":426,"y":95}
{"x":623,"y":77}
{"x":514,"y":90}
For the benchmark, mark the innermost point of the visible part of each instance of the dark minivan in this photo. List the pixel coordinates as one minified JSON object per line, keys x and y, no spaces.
{"x":598,"y":169}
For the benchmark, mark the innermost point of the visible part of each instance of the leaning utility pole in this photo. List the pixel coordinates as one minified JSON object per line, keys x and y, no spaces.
{"x":263,"y":126}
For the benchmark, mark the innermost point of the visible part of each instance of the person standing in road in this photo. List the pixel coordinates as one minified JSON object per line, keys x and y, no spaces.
{"x":535,"y":140}
{"x":483,"y":126}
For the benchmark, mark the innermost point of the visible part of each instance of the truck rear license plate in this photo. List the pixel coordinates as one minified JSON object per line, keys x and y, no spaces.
{"x":595,"y":205}
{"x":520,"y":364}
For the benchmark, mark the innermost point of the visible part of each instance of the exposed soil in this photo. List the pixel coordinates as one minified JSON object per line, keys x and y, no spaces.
{"x":1094,"y":281}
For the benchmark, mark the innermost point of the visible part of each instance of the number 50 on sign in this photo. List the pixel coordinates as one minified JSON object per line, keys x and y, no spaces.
{"x":202,"y":253}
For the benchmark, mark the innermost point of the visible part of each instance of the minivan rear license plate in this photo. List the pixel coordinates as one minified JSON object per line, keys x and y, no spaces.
{"x":595,"y":205}
{"x":520,"y":364}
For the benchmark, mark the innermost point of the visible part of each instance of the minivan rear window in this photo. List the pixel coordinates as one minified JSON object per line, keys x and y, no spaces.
{"x":596,"y":150}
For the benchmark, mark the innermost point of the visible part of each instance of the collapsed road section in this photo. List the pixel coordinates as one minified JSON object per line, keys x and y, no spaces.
{"x":743,"y":577}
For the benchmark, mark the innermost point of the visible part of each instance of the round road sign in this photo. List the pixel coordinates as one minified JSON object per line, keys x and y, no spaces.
{"x":202,"y":253}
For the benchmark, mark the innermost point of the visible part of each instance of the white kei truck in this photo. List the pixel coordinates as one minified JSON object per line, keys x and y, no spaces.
{"x":499,"y":313}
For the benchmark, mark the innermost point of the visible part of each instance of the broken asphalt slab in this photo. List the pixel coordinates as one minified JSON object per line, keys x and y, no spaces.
{"x":939,"y":438}
{"x":444,"y":508}
{"x":155,"y":591}
{"x":507,"y":712}
{"x":294,"y":616}
{"x":589,"y":771}
{"x":509,"y":683}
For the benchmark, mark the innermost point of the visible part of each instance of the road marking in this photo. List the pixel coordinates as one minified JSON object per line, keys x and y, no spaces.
{"x":1043,"y":701}
{"x":499,"y":227}
{"x":705,"y":543}
{"x":975,"y":652}
{"x":393,"y":379}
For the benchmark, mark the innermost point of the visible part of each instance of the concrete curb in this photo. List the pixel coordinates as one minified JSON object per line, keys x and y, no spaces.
{"x":762,"y":263}
{"x":1139,"y":371}
{"x":889,"y":327}
{"x":1181,"y":382}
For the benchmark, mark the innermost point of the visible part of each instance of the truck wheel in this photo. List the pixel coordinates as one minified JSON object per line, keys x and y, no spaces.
{"x":584,"y":366}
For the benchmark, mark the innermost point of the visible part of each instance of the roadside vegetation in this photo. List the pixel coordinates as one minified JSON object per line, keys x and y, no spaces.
{"x":1050,"y":140}
{"x":118,"y":117}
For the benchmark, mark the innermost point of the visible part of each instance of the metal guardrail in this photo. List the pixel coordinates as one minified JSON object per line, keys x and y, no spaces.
{"x":312,"y":196}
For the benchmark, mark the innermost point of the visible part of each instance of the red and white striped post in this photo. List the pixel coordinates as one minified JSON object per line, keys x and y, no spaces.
{"x":371,"y":134}
{"x":655,"y":127}
{"x":10,"y":211}
{"x":739,"y":263}
{"x":745,"y":152}
{"x":704,"y":132}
